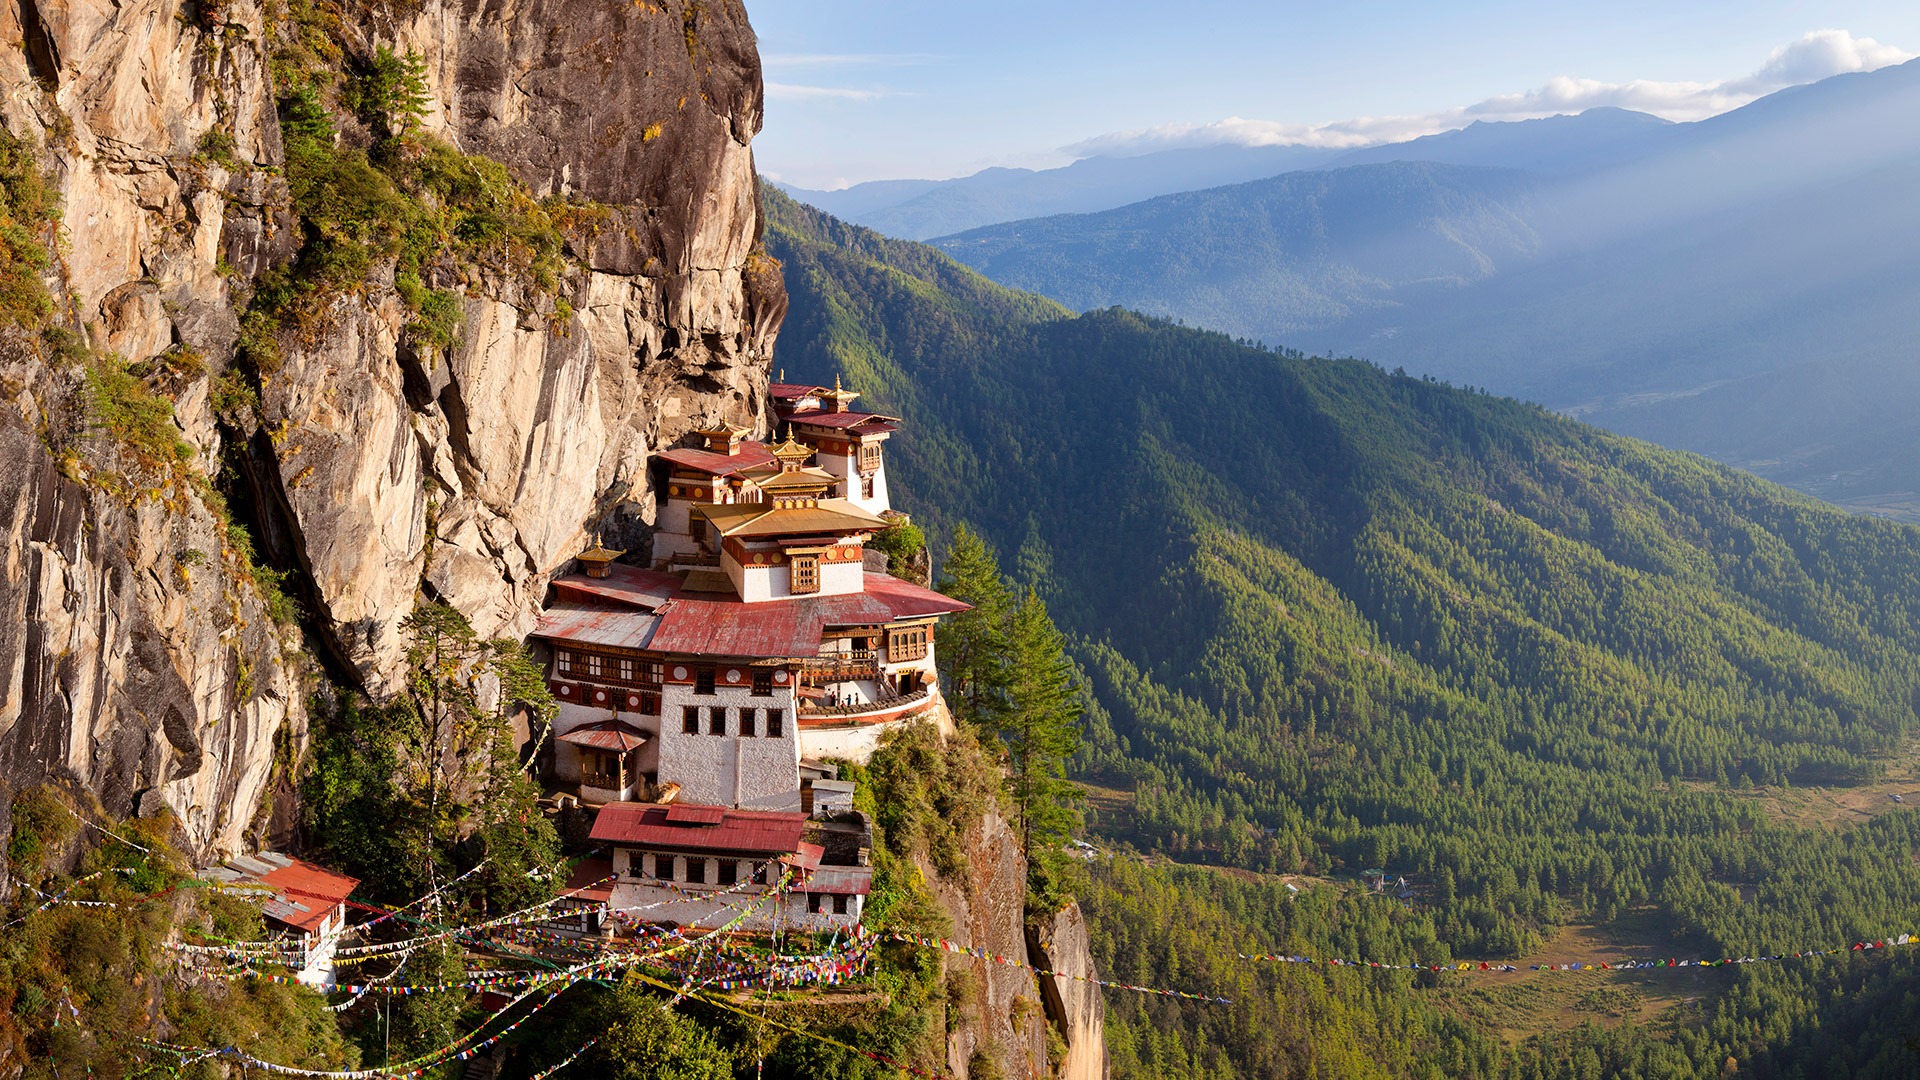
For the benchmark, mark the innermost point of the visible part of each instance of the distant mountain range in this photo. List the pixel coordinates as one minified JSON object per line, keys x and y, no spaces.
{"x":1669,"y":280}
{"x":920,"y":209}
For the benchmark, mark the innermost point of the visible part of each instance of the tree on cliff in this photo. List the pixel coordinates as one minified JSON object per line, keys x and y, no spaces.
{"x":972,"y":646}
{"x":1040,"y":725}
{"x":1006,"y":669}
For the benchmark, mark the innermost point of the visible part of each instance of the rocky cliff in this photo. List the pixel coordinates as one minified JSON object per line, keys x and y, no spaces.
{"x":138,"y":651}
{"x":1015,"y":1022}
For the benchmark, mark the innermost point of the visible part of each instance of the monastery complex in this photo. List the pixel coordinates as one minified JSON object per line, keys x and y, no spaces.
{"x":704,"y":698}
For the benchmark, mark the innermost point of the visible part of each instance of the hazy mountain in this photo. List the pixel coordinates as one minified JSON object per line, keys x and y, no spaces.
{"x":1778,"y":235}
{"x":1273,"y":258}
{"x":1597,"y":138}
{"x":917,"y":209}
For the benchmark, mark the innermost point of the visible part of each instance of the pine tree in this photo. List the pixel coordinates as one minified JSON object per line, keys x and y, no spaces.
{"x":972,"y":645}
{"x":1041,"y":724}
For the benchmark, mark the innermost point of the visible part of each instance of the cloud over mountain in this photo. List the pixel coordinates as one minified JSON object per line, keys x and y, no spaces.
{"x":1812,"y":57}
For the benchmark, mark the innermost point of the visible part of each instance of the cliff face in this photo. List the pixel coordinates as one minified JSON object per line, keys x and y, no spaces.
{"x":1008,"y":1017}
{"x":133,"y":663}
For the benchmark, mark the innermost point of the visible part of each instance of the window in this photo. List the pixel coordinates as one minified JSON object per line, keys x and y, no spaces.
{"x":690,"y":719}
{"x":653,"y":672}
{"x":774,"y":719}
{"x":626,"y":669}
{"x":703,"y":681}
{"x":663,"y":868}
{"x":649,"y":703}
{"x":869,"y":457}
{"x":759,"y":873}
{"x":866,"y":485}
{"x":716,"y":721}
{"x":563,"y":662}
{"x":593,"y":665}
{"x":748,"y":723}
{"x":762,"y":682}
{"x":907,"y":643}
{"x":806,"y":574}
{"x":839,"y":905}
{"x":729,"y":872}
{"x":696,"y":871}
{"x":813,"y":903}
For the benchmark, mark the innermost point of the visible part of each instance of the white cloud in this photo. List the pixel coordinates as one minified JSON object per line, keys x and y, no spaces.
{"x":780,"y":91}
{"x":1813,"y":57}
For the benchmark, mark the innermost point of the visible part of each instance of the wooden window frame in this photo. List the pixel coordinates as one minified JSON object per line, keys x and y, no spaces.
{"x":762,"y":682}
{"x":804,"y":575}
{"x":749,"y":723}
{"x":689,"y":719}
{"x":908,"y":643}
{"x":776,"y":723}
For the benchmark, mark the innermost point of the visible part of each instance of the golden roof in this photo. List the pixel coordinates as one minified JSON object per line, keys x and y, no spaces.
{"x":792,"y":452}
{"x":763,"y":519}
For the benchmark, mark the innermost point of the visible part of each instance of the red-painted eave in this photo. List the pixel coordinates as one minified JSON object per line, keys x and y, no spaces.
{"x":751,"y":832}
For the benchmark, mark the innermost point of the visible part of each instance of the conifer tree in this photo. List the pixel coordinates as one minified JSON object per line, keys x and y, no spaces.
{"x":972,"y":645}
{"x":1040,"y":724}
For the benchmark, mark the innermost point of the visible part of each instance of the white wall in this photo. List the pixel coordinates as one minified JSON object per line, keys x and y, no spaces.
{"x":728,"y":770}
{"x":855,"y":743}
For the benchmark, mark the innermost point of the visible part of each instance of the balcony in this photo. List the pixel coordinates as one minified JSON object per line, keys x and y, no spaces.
{"x":846,"y":666}
{"x":889,"y":708}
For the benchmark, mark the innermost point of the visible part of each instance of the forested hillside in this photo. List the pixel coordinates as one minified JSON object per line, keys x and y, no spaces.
{"x":1336,"y":618}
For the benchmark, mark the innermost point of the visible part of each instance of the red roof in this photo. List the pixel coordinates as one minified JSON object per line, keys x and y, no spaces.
{"x":615,"y":735}
{"x":590,"y":880}
{"x":689,"y":814}
{"x":622,"y":628}
{"x":806,"y":857}
{"x":752,"y":455}
{"x":623,"y":585}
{"x":788,"y":391}
{"x":826,"y":419}
{"x":307,"y":894}
{"x":840,"y":881}
{"x":905,"y":600}
{"x":701,"y":625}
{"x":751,"y":832}
{"x":770,"y":629}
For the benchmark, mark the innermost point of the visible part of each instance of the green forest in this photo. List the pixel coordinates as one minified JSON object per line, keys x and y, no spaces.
{"x":1334,"y":618}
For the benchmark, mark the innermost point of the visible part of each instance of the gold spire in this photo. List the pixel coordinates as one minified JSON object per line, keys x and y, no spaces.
{"x":597,"y":561}
{"x":791,"y":453}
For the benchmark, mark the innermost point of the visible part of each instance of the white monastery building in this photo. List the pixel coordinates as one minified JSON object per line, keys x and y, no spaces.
{"x":701,"y":696}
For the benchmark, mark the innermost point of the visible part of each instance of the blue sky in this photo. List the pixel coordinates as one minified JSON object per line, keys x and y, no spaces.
{"x":865,"y":90}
